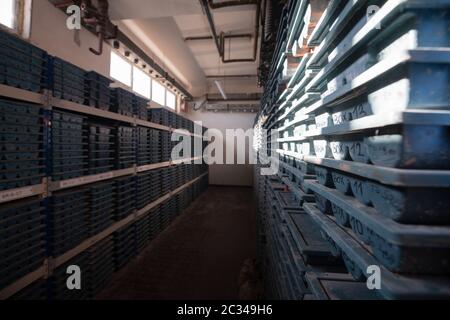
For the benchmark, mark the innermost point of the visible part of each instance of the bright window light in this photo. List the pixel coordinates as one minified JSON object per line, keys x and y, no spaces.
{"x":7,"y":13}
{"x":141,"y":82}
{"x":170,"y":100}
{"x":158,"y":93}
{"x":120,"y":69}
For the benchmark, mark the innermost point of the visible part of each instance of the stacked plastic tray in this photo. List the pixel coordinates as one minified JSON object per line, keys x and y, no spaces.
{"x":98,"y":92}
{"x":166,"y":180}
{"x":148,"y":187}
{"x":125,"y":199}
{"x":155,"y":146}
{"x":21,"y":144}
{"x":67,"y":80}
{"x":102,"y":148}
{"x":125,"y":147}
{"x":100,"y":264}
{"x":165,"y":214}
{"x":166,"y":145}
{"x":160,"y":116}
{"x":155,"y":187}
{"x":22,"y":65}
{"x":122,"y":101}
{"x":23,"y":246}
{"x":365,"y":109}
{"x":68,"y":145}
{"x":140,"y":107}
{"x":144,"y":148}
{"x":154,"y":225}
{"x":149,"y":146}
{"x":67,"y":220}
{"x":101,"y":206}
{"x":143,"y":187}
{"x":143,"y":235}
{"x":125,"y":245}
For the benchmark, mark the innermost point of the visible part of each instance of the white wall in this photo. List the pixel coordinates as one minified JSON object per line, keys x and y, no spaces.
{"x":227,"y":174}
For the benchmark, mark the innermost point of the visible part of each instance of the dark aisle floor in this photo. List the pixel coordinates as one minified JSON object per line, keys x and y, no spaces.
{"x":199,"y":256}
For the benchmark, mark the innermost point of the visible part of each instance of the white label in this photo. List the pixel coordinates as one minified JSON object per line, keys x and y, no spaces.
{"x":13,"y":194}
{"x":84,"y":180}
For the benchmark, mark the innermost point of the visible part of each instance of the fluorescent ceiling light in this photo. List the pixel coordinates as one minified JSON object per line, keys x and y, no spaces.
{"x":224,"y":96}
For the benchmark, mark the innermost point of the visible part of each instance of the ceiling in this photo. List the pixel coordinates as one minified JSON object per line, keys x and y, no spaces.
{"x":162,"y":26}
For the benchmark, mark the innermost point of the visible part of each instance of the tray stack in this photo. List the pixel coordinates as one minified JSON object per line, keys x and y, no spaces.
{"x":125,"y":245}
{"x":68,"y":226}
{"x":140,"y":107}
{"x":122,"y":101}
{"x":102,"y":148}
{"x":143,"y":235}
{"x":101,"y":206}
{"x":166,"y":146}
{"x":21,"y":145}
{"x":160,"y":116}
{"x":69,"y":144}
{"x":155,"y":146}
{"x":100,"y":263}
{"x":125,"y":199}
{"x":23,"y":246}
{"x":98,"y":92}
{"x":154,"y":224}
{"x":166,"y":180}
{"x":144,"y":148}
{"x":125,"y":147}
{"x":22,"y":65}
{"x":67,"y":80}
{"x":363,"y":121}
{"x":165,"y":214}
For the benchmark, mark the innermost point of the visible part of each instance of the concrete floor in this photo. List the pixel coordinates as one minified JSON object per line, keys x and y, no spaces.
{"x":199,"y":256}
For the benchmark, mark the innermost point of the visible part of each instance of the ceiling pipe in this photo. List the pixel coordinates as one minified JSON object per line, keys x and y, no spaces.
{"x":255,"y":40}
{"x":212,"y":27}
{"x":232,"y":76}
{"x":231,"y":3}
{"x":227,"y":36}
{"x":220,"y":40}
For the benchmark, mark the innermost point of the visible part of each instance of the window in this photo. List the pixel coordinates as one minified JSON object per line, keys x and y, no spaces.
{"x":141,"y":82}
{"x":170,"y":100}
{"x":158,"y":93}
{"x":120,"y":69}
{"x":8,"y":13}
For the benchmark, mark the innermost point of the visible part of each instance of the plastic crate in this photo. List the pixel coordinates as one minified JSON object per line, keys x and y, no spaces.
{"x":122,"y":101}
{"x":140,"y":106}
{"x":125,"y":201}
{"x":67,"y":80}
{"x":98,"y":92}
{"x":22,"y":250}
{"x":22,"y":64}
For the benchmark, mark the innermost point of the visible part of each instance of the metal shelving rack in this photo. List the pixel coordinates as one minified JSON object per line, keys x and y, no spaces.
{"x":44,"y":190}
{"x":48,"y":102}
